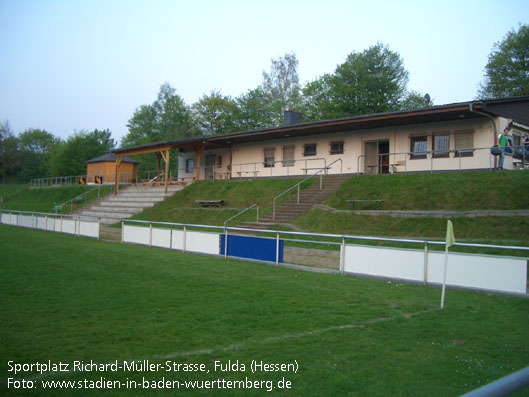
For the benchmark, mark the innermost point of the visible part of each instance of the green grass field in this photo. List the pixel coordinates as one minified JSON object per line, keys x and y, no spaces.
{"x":69,"y":299}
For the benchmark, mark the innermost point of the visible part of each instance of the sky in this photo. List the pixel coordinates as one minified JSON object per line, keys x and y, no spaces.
{"x":71,"y":65}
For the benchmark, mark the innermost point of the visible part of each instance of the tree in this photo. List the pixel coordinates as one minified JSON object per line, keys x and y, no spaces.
{"x":10,"y":159}
{"x":167,"y":118}
{"x":69,"y":158}
{"x":35,"y":147}
{"x":373,"y":81}
{"x":215,"y":114}
{"x":255,"y":110}
{"x":415,"y":100}
{"x":282,"y":85}
{"x":507,"y":70}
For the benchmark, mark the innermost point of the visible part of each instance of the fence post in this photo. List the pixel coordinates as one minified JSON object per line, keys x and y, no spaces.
{"x":426,"y":263}
{"x":150,"y":235}
{"x":342,"y":257}
{"x":257,"y":214}
{"x":225,"y":243}
{"x":98,"y":227}
{"x":184,"y":242}
{"x":298,"y":192}
{"x":277,"y":249}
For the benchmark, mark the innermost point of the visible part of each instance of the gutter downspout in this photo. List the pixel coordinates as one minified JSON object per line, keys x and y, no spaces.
{"x":493,"y":126}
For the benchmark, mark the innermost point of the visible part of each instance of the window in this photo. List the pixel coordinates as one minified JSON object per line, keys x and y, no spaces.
{"x":441,"y":145}
{"x":418,"y":147}
{"x":309,"y":149}
{"x":336,"y":147}
{"x":464,"y":143}
{"x":288,"y":156}
{"x":219,"y":161}
{"x":190,"y":164}
{"x":269,"y":156}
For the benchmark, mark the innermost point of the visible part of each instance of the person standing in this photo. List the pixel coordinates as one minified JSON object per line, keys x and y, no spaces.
{"x":504,"y":143}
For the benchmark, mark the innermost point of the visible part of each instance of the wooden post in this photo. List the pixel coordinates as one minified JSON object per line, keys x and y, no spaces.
{"x":159,"y":157}
{"x":166,"y":159}
{"x":116,"y":174}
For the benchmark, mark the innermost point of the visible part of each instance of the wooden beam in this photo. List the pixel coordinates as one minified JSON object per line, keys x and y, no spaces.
{"x":166,"y":159}
{"x":132,"y":151}
{"x":159,"y":159}
{"x":119,"y":159}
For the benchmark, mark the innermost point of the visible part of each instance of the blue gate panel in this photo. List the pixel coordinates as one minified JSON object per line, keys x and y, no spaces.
{"x":263,"y":249}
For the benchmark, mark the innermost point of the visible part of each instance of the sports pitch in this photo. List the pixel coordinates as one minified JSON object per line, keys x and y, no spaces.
{"x":85,"y":317}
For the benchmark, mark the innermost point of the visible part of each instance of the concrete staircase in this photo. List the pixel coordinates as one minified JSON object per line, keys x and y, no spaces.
{"x":308,"y":197}
{"x":129,"y":201}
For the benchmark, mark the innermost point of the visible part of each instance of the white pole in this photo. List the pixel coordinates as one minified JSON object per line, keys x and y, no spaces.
{"x":277,"y":249}
{"x":444,"y":278}
{"x":150,"y":235}
{"x":225,"y":243}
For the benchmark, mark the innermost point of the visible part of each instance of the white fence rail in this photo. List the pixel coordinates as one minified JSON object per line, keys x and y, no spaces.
{"x":476,"y":271}
{"x":70,"y":224}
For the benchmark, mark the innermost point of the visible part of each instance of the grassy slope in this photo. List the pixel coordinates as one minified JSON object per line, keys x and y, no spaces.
{"x":450,"y":191}
{"x":462,"y":191}
{"x":22,"y":198}
{"x":81,"y":299}
{"x":237,"y":195}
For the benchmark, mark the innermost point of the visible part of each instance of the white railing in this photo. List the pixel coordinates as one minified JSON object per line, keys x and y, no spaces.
{"x":71,"y":224}
{"x":321,"y":172}
{"x":56,"y":181}
{"x":475,"y":271}
{"x":401,"y":161}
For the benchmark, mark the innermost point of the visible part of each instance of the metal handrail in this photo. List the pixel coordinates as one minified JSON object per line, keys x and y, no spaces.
{"x":305,"y":179}
{"x":242,"y":212}
{"x":51,"y":214}
{"x":84,"y":194}
{"x":431,"y":156}
{"x":329,"y":235}
{"x":297,"y":185}
{"x":72,"y":179}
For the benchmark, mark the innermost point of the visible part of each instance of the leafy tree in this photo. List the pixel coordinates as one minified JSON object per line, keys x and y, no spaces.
{"x":167,"y":118}
{"x":507,"y":70}
{"x":372,"y":81}
{"x":414,"y":100}
{"x":255,"y":110}
{"x":142,"y":127}
{"x":10,"y":159}
{"x":318,"y":99}
{"x":215,"y":114}
{"x":282,"y":85}
{"x":35,"y":147}
{"x":69,"y":158}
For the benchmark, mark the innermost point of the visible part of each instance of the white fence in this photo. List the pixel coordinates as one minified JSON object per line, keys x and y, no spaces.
{"x":70,"y":224}
{"x":183,"y":240}
{"x":487,"y":272}
{"x":476,"y":271}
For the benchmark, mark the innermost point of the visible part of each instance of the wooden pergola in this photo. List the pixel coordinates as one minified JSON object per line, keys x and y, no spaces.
{"x":162,"y":151}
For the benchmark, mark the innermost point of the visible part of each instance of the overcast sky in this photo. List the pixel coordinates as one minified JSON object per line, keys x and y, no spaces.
{"x":70,"y":65}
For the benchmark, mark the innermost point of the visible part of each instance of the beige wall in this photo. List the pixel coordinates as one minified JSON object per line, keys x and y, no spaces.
{"x":248,"y":159}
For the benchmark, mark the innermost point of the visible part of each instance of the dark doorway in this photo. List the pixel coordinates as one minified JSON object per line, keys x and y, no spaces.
{"x":376,"y":157}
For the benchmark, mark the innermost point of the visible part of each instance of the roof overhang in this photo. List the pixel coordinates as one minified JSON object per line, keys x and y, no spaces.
{"x":396,"y":119}
{"x":513,"y":108}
